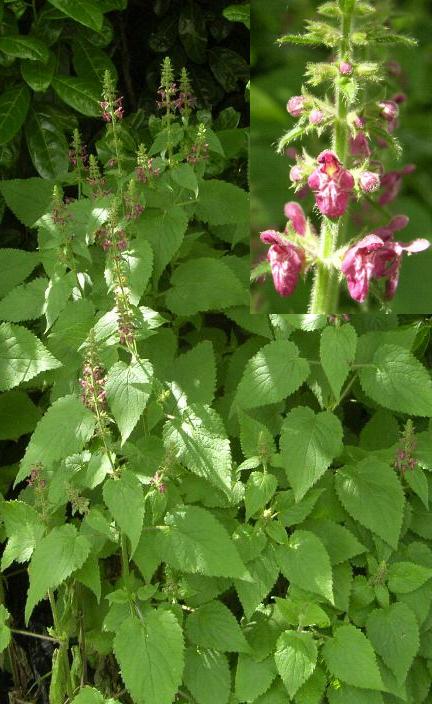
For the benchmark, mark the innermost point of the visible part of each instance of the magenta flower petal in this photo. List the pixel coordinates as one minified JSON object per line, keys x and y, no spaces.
{"x":332,"y":185}
{"x":294,"y":212}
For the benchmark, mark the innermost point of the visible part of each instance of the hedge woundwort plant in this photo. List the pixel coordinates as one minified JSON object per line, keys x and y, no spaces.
{"x":358,"y":122}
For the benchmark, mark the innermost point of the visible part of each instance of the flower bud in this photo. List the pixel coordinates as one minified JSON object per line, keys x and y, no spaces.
{"x":400,"y":98}
{"x":315,"y":117}
{"x":295,"y":105}
{"x":389,"y":110}
{"x":345,"y":68}
{"x":296,"y":174}
{"x":369,"y":181}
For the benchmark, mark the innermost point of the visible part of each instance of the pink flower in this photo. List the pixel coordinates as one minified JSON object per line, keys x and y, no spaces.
{"x":359,"y":145}
{"x":345,"y":68}
{"x":294,"y":212}
{"x":378,"y":256}
{"x":369,"y":181}
{"x":391,"y":182}
{"x":359,"y":122}
{"x":286,"y":261}
{"x":315,"y":117}
{"x":295,"y":105}
{"x":390,"y":112}
{"x":296,"y":174}
{"x":400,"y":98}
{"x":332,"y":185}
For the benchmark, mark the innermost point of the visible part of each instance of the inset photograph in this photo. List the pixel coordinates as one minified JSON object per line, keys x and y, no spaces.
{"x":341,"y":220}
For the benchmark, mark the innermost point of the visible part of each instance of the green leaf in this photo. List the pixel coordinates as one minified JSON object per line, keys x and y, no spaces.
{"x":300,"y":613}
{"x":213,"y":625}
{"x":15,"y":265}
{"x":253,"y":678}
{"x":128,"y":389}
{"x":5,"y":634}
{"x":295,"y":657}
{"x":70,"y":423}
{"x":25,"y":302}
{"x":305,"y":562}
{"x":274,"y":373}
{"x":23,"y":47}
{"x":139,"y":262}
{"x":185,"y":176}
{"x":199,"y":441}
{"x":264,"y":571}
{"x":22,"y":356}
{"x":14,"y":105}
{"x":90,"y":695}
{"x":57,"y":295}
{"x":124,"y":498}
{"x":195,"y":541}
{"x":394,"y":634}
{"x":24,"y":528}
{"x":405,"y":577}
{"x":199,"y":387}
{"x":89,"y":61}
{"x":207,"y":676}
{"x":28,"y":199}
{"x":344,"y":694}
{"x":192,"y":31}
{"x":150,"y":655}
{"x":85,"y":12}
{"x":339,"y":542}
{"x":350,"y":657}
{"x":204,"y":284}
{"x":81,"y":94}
{"x":337,"y":352}
{"x":372,"y":494}
{"x":47,"y":145}
{"x":18,"y":415}
{"x":54,"y":559}
{"x":259,"y":489}
{"x":238,"y":13}
{"x":398,"y":381}
{"x":38,"y":75}
{"x":164,"y":232}
{"x":313,"y":689}
{"x":222,"y":203}
{"x":309,"y":443}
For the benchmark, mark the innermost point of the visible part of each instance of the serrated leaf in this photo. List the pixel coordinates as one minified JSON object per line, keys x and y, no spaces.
{"x":405,"y":577}
{"x":24,"y":302}
{"x":199,"y":386}
{"x":199,"y":440}
{"x":47,"y":145}
{"x":18,"y":415}
{"x":70,"y":423}
{"x":185,"y":176}
{"x":14,"y":105}
{"x":28,"y":199}
{"x":81,"y":94}
{"x":54,"y":559}
{"x":207,"y":676}
{"x":295,"y":657}
{"x":337,"y":353}
{"x":124,"y":498}
{"x":339,"y":542}
{"x":151,"y":656}
{"x":350,"y":657}
{"x":221,"y":203}
{"x":128,"y":389}
{"x":139,"y":262}
{"x":23,"y":47}
{"x":397,"y":380}
{"x":5,"y":634}
{"x":259,"y":489}
{"x":264,"y":571}
{"x":213,"y":625}
{"x":253,"y":678}
{"x":372,"y":494}
{"x":394,"y":633}
{"x":309,"y":443}
{"x":164,"y":232}
{"x":24,"y":528}
{"x":195,"y":541}
{"x":204,"y":284}
{"x":274,"y":373}
{"x":344,"y":694}
{"x":86,"y":12}
{"x":305,"y":562}
{"x":22,"y":356}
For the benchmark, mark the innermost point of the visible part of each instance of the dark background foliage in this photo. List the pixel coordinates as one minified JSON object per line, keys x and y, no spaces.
{"x":277,"y":74}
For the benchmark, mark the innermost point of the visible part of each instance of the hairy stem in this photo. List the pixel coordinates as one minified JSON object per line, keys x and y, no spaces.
{"x":325,"y":290}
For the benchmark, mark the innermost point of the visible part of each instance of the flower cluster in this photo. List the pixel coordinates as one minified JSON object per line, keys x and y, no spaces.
{"x":173,"y":96}
{"x":145,"y":171}
{"x":92,"y":382}
{"x":405,"y":459}
{"x":158,"y":483}
{"x":354,"y":169}
{"x":199,"y":150}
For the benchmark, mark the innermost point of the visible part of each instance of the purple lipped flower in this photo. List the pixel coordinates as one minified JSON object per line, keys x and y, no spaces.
{"x":332,"y":185}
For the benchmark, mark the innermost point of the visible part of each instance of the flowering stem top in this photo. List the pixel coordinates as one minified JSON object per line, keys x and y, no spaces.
{"x":360,"y":129}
